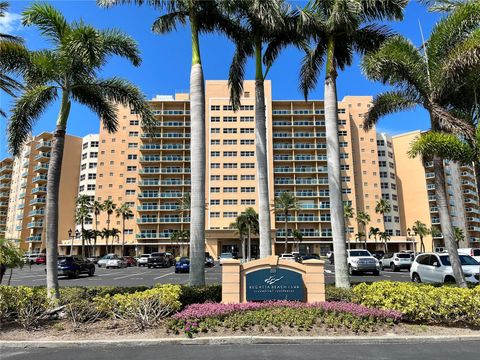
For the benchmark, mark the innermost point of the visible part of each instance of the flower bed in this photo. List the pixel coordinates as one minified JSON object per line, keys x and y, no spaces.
{"x":277,"y":314}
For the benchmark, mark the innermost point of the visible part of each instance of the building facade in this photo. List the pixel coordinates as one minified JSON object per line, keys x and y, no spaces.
{"x":6,"y":168}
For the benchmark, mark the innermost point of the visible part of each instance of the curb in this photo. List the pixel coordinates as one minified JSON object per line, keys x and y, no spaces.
{"x":243,"y":340}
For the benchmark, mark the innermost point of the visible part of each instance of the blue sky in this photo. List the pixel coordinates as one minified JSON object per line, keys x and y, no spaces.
{"x":166,"y":63}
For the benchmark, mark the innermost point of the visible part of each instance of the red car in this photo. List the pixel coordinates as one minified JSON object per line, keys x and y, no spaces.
{"x":41,"y":259}
{"x":130,"y":261}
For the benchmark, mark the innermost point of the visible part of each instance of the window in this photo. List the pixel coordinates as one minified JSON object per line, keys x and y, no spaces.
{"x":84,"y":166}
{"x":227,"y":107}
{"x":94,"y":155}
{"x":248,"y":201}
{"x":394,"y":197}
{"x":84,"y":156}
{"x":381,"y":152}
{"x":82,"y":177}
{"x":380,"y":142}
{"x":132,"y":156}
{"x":132,"y":145}
{"x":230,"y":202}
{"x":229,"y":153}
{"x":214,"y":214}
{"x":383,"y":174}
{"x":92,"y":165}
{"x":214,"y":202}
{"x":131,"y":168}
{"x":90,"y":186}
{"x":246,"y":107}
{"x":92,"y":176}
{"x":386,"y":196}
{"x":390,"y":155}
{"x":247,"y":131}
{"x":387,"y":218}
{"x":81,"y":188}
{"x":247,"y":177}
{"x":131,"y":180}
{"x":382,"y":163}
{"x":85,"y":145}
{"x":247,"y":153}
{"x":229,"y":142}
{"x":395,"y":207}
{"x":345,"y":178}
{"x":344,"y":167}
{"x":344,"y":156}
{"x":247,"y":142}
{"x":215,"y":153}
{"x":134,"y":122}
{"x":247,"y":165}
{"x":396,"y":219}
{"x":246,"y":119}
{"x":215,"y":130}
{"x":214,"y":177}
{"x":215,"y":119}
{"x":230,"y":189}
{"x":214,"y":142}
{"x":393,"y":186}
{"x":346,"y":191}
{"x":229,"y":166}
{"x":343,"y":144}
{"x":230,"y":214}
{"x":215,"y":166}
{"x":229,"y":131}
{"x":214,"y":189}
{"x":133,"y":133}
{"x":230,"y":178}
{"x":129,"y":192}
{"x":342,"y":122}
{"x":230,"y":119}
{"x":215,"y":107}
{"x":392,"y":176}
{"x":248,"y":189}
{"x":391,"y":165}
{"x":342,"y":133}
{"x":384,"y":185}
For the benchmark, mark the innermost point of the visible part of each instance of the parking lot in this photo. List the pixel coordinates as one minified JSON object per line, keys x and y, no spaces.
{"x":135,"y":276}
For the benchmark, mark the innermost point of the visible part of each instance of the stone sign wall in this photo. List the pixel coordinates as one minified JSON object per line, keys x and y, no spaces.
{"x":273,"y":279}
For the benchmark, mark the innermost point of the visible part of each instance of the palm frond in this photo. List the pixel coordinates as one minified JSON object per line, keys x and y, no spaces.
{"x":450,"y":122}
{"x":387,"y":103}
{"x":27,"y":108}
{"x":117,"y":43}
{"x":383,"y":9}
{"x":370,"y":37}
{"x":168,"y":22}
{"x":310,"y":68}
{"x":236,"y":74}
{"x":49,"y":20}
{"x":13,"y":57}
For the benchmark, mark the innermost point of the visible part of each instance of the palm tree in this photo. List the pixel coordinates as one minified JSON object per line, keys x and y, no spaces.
{"x":97,"y":234}
{"x":297,"y":237}
{"x":444,"y":5}
{"x":115,"y":234}
{"x":250,"y":217}
{"x":126,"y":213}
{"x":12,"y":56}
{"x":267,"y":26}
{"x":436,"y":233}
{"x":348,"y":214}
{"x":374,"y":231}
{"x":82,"y":214}
{"x":420,"y":229}
{"x":241,"y":229}
{"x":109,"y":207}
{"x":97,"y":208}
{"x":204,"y":17}
{"x":69,"y":70}
{"x":459,"y":236}
{"x":430,"y":77}
{"x":285,"y":204}
{"x":383,"y":207}
{"x":359,"y":236}
{"x":363,"y":218}
{"x":106,"y":233}
{"x":338,"y":28}
{"x":385,"y":237}
{"x":88,"y":235}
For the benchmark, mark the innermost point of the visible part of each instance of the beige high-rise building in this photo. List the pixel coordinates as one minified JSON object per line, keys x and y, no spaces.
{"x":151,"y":172}
{"x":6,"y":168}
{"x":25,"y":220}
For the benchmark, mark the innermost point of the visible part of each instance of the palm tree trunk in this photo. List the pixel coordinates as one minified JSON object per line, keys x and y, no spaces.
{"x":286,"y":233}
{"x":197,"y":153}
{"x":83,"y":239}
{"x":10,"y":276}
{"x":95,"y":239}
{"x":422,"y":245}
{"x":53,"y":187}
{"x":264,"y":220}
{"x":334,"y":175}
{"x":249,"y":245}
{"x":123,"y":235}
{"x":445,"y":222}
{"x":476,"y":167}
{"x":243,"y":248}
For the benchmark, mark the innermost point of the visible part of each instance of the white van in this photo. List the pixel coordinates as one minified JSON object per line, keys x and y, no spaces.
{"x":473,"y":252}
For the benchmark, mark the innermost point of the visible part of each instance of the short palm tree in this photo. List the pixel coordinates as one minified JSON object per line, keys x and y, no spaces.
{"x":420,"y":229}
{"x":383,"y":207}
{"x":115,"y":234}
{"x":430,"y":77}
{"x":250,"y":218}
{"x":82,"y":215}
{"x":125,"y":213}
{"x":97,"y":208}
{"x":203,"y":17}
{"x":106,"y":233}
{"x":88,"y":235}
{"x":373,"y":231}
{"x":267,"y":26}
{"x":286,"y":203}
{"x":297,"y":238}
{"x":241,"y":229}
{"x":385,"y":237}
{"x":459,"y":236}
{"x":70,"y":71}
{"x":359,"y":236}
{"x":348,"y":214}
{"x":363,"y":219}
{"x":337,"y":29}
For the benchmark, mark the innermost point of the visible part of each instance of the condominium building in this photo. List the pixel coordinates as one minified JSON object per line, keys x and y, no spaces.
{"x":6,"y":168}
{"x":25,"y":221}
{"x":416,"y":193}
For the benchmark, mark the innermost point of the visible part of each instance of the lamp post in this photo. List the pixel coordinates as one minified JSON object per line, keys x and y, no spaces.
{"x":411,"y":235}
{"x":71,"y":240}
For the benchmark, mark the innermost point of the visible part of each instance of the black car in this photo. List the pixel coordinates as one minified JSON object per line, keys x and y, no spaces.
{"x":309,"y":257}
{"x":73,"y":266}
{"x":209,"y":261}
{"x":158,"y":260}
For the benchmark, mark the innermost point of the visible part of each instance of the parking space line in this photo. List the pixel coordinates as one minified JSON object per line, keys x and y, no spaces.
{"x":126,"y":276}
{"x":161,"y":276}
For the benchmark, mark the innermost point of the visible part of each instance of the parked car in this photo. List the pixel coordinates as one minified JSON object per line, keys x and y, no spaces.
{"x":436,"y":268}
{"x":473,"y":252}
{"x":361,"y":261}
{"x":143,"y":260}
{"x":131,"y":261}
{"x":94,"y":259}
{"x":182,"y":265}
{"x":73,"y":266}
{"x":378,"y":254}
{"x":397,"y":261}
{"x":158,"y":260}
{"x":209,"y":261}
{"x":118,"y":262}
{"x":41,"y":259}
{"x":330,"y":257}
{"x":287,"y":256}
{"x":103,"y":261}
{"x":30,"y":258}
{"x":309,"y":257}
{"x":225,"y":256}
{"x":170,"y":258}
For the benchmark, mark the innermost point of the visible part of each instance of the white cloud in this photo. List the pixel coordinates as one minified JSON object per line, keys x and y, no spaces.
{"x":9,"y":23}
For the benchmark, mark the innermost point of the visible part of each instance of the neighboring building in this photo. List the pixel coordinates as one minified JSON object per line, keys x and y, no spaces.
{"x":416,"y":181}
{"x":6,"y":169}
{"x":29,"y":186}
{"x":88,"y":173}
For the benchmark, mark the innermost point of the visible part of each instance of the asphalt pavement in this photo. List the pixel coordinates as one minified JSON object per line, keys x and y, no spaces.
{"x":135,"y":276}
{"x":465,"y":350}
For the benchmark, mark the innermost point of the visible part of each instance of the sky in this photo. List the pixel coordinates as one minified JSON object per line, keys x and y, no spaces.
{"x":165,"y":68}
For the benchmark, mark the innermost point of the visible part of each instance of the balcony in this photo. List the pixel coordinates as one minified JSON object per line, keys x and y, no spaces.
{"x":469,"y":183}
{"x":161,"y":235}
{"x":4,"y":186}
{"x":472,"y":210}
{"x":430,"y":186}
{"x":469,"y":192}
{"x":42,"y":157}
{"x":39,"y":212}
{"x":6,"y":169}
{"x":473,"y":219}
{"x":41,"y":168}
{"x":35,"y":224}
{"x":166,"y":136}
{"x":158,"y":207}
{"x":152,"y":147}
{"x":3,"y":204}
{"x":171,"y":158}
{"x":40,"y":179}
{"x":171,"y":112}
{"x":470,"y":201}
{"x":175,"y":124}
{"x":473,"y":228}
{"x":38,"y":201}
{"x":435,"y":221}
{"x":44,"y":145}
{"x":4,"y":195}
{"x":34,"y":238}
{"x":6,"y":177}
{"x":430,"y":175}
{"x":39,"y":190}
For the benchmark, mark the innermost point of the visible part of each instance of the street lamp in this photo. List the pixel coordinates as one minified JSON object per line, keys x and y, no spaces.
{"x":71,"y":240}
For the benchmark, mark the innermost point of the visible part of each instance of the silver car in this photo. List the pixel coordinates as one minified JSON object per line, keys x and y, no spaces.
{"x":103,"y":261}
{"x":143,"y":260}
{"x":117,"y":262}
{"x":397,"y":261}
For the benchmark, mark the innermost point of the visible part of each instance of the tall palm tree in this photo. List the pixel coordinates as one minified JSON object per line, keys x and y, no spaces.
{"x":338,"y":28}
{"x":241,"y":229}
{"x":363,"y":219}
{"x":420,"y":229}
{"x":125,"y":213}
{"x":383,"y":207}
{"x":444,"y":5}
{"x":430,"y":77}
{"x":285,"y":204}
{"x":97,"y":208}
{"x":348,"y":213}
{"x":88,"y":235}
{"x":69,"y":70}
{"x":250,"y":218}
{"x":82,"y":214}
{"x":106,"y":233}
{"x":385,"y":237}
{"x":115,"y":234}
{"x":267,"y":26}
{"x":109,"y":207}
{"x":13,"y":55}
{"x":97,"y":234}
{"x":204,"y":17}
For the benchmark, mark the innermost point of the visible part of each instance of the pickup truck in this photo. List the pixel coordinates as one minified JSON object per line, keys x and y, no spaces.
{"x":158,"y":260}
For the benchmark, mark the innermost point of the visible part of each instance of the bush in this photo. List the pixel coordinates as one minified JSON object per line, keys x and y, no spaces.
{"x":423,"y":303}
{"x":7,"y":297}
{"x":200,"y":294}
{"x":337,"y":294}
{"x":144,"y":309}
{"x":29,"y":305}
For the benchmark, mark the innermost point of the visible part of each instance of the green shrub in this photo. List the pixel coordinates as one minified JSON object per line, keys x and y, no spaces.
{"x":29,"y":305}
{"x":144,"y":309}
{"x":72,"y":294}
{"x":7,"y":297}
{"x":423,"y":303}
{"x":337,"y":294}
{"x":200,"y":294}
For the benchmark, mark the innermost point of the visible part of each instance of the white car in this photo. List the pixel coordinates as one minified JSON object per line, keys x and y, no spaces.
{"x":225,"y":256}
{"x":289,"y":257}
{"x":143,"y":260}
{"x":436,"y":268}
{"x":30,"y":258}
{"x":118,"y":262}
{"x":103,"y":261}
{"x":397,"y":261}
{"x":362,"y":261}
{"x":473,"y":252}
